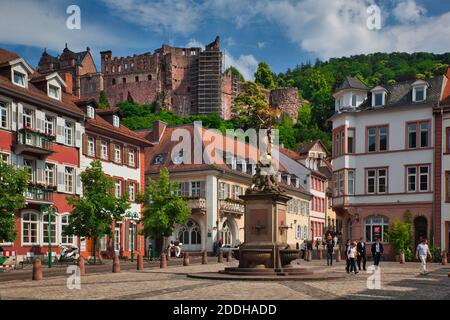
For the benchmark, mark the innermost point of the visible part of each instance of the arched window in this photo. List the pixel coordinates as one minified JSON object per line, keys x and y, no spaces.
{"x":350,"y":229}
{"x":45,"y":223}
{"x":190,"y":235}
{"x":29,"y":228}
{"x":376,"y":228}
{"x":183,"y":234}
{"x":226,"y":233}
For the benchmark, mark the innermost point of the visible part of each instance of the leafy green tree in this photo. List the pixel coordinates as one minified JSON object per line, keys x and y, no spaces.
{"x":13,"y":184}
{"x":94,"y":213}
{"x":236,"y":74}
{"x":163,"y":208}
{"x":400,"y":235}
{"x":264,"y":76}
{"x":103,"y":100}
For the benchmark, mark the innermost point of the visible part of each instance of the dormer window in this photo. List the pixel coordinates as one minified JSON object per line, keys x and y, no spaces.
{"x":19,"y":78}
{"x":90,"y":112}
{"x":116,"y":121}
{"x":378,"y":99}
{"x":354,"y":99}
{"x":341,"y":103}
{"x":419,"y":94}
{"x":54,"y":92}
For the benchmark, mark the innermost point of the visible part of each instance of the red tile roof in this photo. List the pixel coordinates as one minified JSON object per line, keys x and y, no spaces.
{"x":6,"y":56}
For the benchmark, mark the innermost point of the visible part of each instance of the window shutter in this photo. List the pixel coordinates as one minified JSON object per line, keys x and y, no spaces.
{"x":111,"y":151}
{"x":13,"y":116}
{"x":84,"y":148}
{"x":19,"y":162}
{"x":98,"y":148}
{"x":19,"y":116}
{"x":60,"y":169}
{"x":125,"y":155}
{"x":60,"y":123}
{"x":40,"y":124}
{"x":78,"y":184}
{"x":126,"y":190}
{"x":136,"y":157}
{"x":78,"y":133}
{"x":40,"y":168}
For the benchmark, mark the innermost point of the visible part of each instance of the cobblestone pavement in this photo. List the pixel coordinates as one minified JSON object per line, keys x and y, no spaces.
{"x":397,"y":282}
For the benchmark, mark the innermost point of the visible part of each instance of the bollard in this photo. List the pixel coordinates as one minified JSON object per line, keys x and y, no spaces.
{"x":140,"y":263}
{"x":444,"y":258}
{"x":310,"y":255}
{"x":163,"y":262}
{"x":186,"y":259}
{"x":116,"y":265}
{"x":205,"y":257}
{"x":37,"y":269}
{"x":81,"y":266}
{"x":338,"y":255}
{"x":168,"y":255}
{"x":220,"y":257}
{"x":305,"y":256}
{"x":229,"y":255}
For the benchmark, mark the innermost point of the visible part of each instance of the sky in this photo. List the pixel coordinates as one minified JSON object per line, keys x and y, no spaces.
{"x":284,"y":33}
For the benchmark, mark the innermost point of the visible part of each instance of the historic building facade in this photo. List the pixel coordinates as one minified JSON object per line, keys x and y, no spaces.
{"x":212,"y":187}
{"x":383,"y":150}
{"x":40,"y":132}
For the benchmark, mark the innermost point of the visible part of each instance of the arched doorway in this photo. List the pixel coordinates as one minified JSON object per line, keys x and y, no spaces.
{"x":420,"y":229}
{"x":190,"y":236}
{"x":227,"y":234}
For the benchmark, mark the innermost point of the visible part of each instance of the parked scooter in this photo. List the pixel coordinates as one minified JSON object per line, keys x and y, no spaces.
{"x":69,"y":253}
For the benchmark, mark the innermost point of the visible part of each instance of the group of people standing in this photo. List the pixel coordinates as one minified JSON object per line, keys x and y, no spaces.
{"x":356,"y":253}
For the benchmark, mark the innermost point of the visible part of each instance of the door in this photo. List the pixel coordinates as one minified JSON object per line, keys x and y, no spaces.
{"x":117,"y":240}
{"x":420,"y":229}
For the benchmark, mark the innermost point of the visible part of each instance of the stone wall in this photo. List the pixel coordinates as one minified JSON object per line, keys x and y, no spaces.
{"x":287,"y":100}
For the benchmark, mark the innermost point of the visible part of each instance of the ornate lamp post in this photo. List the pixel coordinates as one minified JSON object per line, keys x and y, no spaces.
{"x":50,"y":212}
{"x":132,"y":240}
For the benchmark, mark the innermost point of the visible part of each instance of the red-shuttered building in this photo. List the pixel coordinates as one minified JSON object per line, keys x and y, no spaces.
{"x":41,"y":132}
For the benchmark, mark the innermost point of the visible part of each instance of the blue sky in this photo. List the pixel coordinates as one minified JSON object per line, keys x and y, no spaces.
{"x":282,"y":32}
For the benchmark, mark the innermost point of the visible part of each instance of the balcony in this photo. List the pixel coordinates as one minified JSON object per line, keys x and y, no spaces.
{"x":197,"y":204}
{"x":231,"y":206}
{"x":39,"y":193}
{"x":32,"y":142}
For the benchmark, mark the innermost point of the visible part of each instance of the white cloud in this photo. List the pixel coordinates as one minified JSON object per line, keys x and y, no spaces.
{"x":246,"y":64}
{"x":180,"y":17}
{"x":229,"y":41}
{"x":261,"y":45}
{"x":194,"y":44}
{"x":409,"y":11}
{"x":33,"y":24}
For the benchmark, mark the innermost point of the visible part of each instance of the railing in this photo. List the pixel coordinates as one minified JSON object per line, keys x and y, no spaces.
{"x":232,"y":206}
{"x":196,"y":203}
{"x":34,"y":139}
{"x":40,"y":193}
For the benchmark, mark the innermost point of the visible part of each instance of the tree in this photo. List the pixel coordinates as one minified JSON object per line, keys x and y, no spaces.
{"x":264,"y":76}
{"x":400,"y":235}
{"x":13,"y":184}
{"x":93,"y":214}
{"x":236,"y":74}
{"x":251,"y":107}
{"x":103,"y":100}
{"x":163,"y":208}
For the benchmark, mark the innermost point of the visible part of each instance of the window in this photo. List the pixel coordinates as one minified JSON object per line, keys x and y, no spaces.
{"x":4,"y":157}
{"x":104,"y":150}
{"x":224,"y":190}
{"x":118,"y":189}
{"x":354,"y":98}
{"x":341,"y":182}
{"x":19,"y":78}
{"x":116,"y":121}
{"x":418,"y":134}
{"x":351,"y":182}
{"x":131,"y":157}
{"x":372,"y":139}
{"x":68,"y":179}
{"x":49,"y":125}
{"x":45,"y":228}
{"x":113,"y":81}
{"x":376,"y":227}
{"x":117,"y":153}
{"x":237,"y":191}
{"x":183,"y":189}
{"x":376,"y":181}
{"x":64,"y":223}
{"x":447,"y":186}
{"x":91,"y":146}
{"x":350,"y":140}
{"x":28,"y":166}
{"x":378,"y":99}
{"x":49,"y":174}
{"x":382,"y":138}
{"x":91,"y":112}
{"x":341,"y":103}
{"x":195,"y":188}
{"x":159,"y":159}
{"x":419,"y":94}
{"x":335,"y":184}
{"x":3,"y":116}
{"x":53,"y":91}
{"x":29,"y":228}
{"x":68,"y":133}
{"x":418,"y":178}
{"x":131,"y":191}
{"x":27,"y":118}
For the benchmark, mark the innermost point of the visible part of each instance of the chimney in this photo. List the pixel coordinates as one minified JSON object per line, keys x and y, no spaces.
{"x":68,"y":79}
{"x":158,"y":130}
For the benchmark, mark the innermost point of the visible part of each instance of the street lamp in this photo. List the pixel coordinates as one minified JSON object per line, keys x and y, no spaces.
{"x":50,"y":211}
{"x":132,"y":240}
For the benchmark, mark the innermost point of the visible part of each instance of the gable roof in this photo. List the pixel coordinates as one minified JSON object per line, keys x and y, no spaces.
{"x":304,"y":148}
{"x":352,"y":83}
{"x":7,"y":56}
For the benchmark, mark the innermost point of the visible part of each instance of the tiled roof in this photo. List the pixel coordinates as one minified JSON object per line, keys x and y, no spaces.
{"x":6,"y":56}
{"x":352,"y":83}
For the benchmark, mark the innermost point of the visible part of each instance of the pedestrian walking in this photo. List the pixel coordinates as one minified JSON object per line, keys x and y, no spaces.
{"x":309,"y":247}
{"x":361,"y":250}
{"x":422,"y":253}
{"x":302,"y":249}
{"x":377,"y":251}
{"x":335,"y":240}
{"x":347,"y":266}
{"x":330,"y":248}
{"x":351,"y":254}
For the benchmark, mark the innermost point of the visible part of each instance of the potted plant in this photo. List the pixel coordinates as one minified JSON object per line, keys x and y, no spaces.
{"x":399,"y":236}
